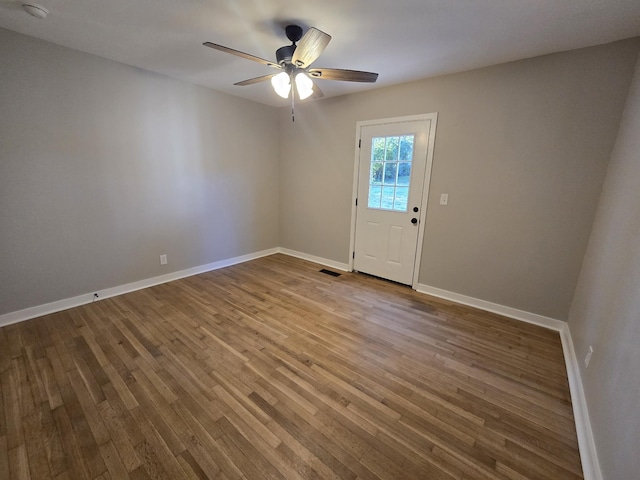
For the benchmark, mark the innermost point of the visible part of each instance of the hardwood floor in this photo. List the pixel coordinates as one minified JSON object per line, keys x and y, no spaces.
{"x":271,"y":369}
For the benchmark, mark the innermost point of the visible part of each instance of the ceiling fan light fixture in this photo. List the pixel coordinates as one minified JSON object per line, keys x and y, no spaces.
{"x":281,"y":84}
{"x":304,"y":85}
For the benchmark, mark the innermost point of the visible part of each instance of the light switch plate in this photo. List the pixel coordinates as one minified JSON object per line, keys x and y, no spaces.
{"x":444,"y":199}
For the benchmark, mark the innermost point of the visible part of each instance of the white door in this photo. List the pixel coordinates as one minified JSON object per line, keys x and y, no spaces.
{"x":392,"y":171}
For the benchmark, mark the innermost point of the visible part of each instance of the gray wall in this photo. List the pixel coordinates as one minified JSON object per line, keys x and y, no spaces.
{"x":522,"y":150}
{"x":606,"y":309}
{"x":103,"y":167}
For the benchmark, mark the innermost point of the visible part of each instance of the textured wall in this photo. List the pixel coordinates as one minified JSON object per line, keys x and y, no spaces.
{"x":521,"y":149}
{"x":606,"y":310}
{"x":103,"y":167}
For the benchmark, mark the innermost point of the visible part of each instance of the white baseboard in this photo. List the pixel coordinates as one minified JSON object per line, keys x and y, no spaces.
{"x":312,"y":258}
{"x":59,"y":305}
{"x":510,"y":312}
{"x":586,"y":442}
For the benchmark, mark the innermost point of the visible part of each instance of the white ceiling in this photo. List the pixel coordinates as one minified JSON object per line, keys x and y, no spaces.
{"x":402,"y":40}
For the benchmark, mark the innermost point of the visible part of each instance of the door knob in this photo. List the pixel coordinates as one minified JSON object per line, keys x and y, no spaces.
{"x":414,"y":220}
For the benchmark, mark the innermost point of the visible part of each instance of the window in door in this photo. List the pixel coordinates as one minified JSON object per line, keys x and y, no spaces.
{"x":390,"y":172}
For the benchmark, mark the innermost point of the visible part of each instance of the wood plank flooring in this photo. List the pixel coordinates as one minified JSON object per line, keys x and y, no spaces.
{"x":273,"y":370}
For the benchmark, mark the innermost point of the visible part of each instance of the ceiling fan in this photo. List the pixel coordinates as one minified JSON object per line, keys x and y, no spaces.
{"x":294,"y":65}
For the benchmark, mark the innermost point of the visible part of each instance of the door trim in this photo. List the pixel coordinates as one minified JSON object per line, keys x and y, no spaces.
{"x":433,"y":117}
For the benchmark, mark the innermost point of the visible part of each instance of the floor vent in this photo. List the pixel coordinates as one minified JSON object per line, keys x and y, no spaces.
{"x":329,"y":272}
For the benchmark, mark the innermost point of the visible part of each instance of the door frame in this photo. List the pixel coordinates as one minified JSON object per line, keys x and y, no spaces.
{"x":433,"y":117}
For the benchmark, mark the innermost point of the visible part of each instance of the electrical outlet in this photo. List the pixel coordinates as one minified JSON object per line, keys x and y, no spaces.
{"x":444,"y":199}
{"x":587,"y":359}
{"x":163,"y":259}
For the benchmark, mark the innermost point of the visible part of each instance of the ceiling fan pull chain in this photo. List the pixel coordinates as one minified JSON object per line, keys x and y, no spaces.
{"x":293,"y":100}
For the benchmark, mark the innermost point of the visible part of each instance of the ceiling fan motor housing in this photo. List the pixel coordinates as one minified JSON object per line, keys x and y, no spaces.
{"x":284,"y":54}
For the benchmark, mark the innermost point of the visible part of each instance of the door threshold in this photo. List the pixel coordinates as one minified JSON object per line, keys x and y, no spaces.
{"x":383,"y":279}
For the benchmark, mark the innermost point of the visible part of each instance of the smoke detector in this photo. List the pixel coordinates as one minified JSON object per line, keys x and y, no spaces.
{"x":35,"y":10}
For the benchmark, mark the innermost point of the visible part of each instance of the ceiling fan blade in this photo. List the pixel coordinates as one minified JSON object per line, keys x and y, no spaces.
{"x":251,"y":81}
{"x":317,"y":93}
{"x":238,"y":53}
{"x":344,"y":75}
{"x":309,"y":48}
